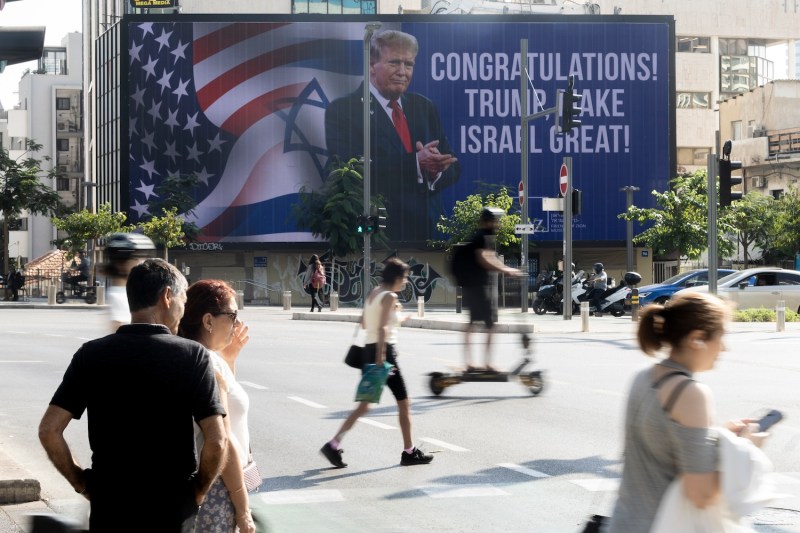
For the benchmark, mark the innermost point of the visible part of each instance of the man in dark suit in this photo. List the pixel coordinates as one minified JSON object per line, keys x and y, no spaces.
{"x":411,"y":159}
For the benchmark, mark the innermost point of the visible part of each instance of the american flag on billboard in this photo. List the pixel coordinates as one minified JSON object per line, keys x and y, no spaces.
{"x":241,"y":106}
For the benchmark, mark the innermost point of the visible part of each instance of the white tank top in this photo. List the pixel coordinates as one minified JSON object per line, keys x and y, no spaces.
{"x":372,"y":320}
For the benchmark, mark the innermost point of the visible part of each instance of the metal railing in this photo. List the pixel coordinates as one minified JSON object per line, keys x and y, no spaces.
{"x":243,"y":284}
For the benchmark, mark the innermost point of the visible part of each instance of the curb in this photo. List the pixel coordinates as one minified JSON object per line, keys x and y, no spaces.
{"x":18,"y":485}
{"x":452,"y":324}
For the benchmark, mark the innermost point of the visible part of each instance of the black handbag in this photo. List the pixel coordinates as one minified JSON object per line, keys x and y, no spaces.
{"x":594,"y":523}
{"x":355,"y":354}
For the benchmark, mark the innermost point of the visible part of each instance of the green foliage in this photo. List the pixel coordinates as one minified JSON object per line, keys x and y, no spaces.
{"x":21,"y":189}
{"x":784,"y":234}
{"x":464,"y":221}
{"x":331,"y":212}
{"x":680,"y":222}
{"x":763,"y":315}
{"x":753,"y":217}
{"x":166,"y":230}
{"x":175,"y":193}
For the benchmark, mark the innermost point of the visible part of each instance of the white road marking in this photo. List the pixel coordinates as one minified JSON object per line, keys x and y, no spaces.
{"x":376,"y":424}
{"x":597,"y":484}
{"x":253,"y":385}
{"x":12,"y":361}
{"x":523,"y":470}
{"x":287,"y":497}
{"x":445,"y":445}
{"x":463,"y":491}
{"x":307,"y":402}
{"x":53,"y":335}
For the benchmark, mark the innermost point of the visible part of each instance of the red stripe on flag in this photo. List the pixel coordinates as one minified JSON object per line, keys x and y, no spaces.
{"x":216,"y":41}
{"x":258,"y":108}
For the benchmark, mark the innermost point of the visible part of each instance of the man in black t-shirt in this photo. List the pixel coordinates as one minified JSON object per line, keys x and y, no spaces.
{"x":478,"y":297}
{"x":142,"y":387}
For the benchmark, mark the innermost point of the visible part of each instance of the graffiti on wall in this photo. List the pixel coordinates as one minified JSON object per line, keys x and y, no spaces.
{"x":347,"y":278}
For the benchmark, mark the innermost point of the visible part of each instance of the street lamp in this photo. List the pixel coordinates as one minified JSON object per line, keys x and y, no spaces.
{"x":87,"y":195}
{"x":629,"y":190}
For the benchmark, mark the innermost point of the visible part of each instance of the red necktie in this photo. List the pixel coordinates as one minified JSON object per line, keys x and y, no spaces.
{"x":401,"y":125}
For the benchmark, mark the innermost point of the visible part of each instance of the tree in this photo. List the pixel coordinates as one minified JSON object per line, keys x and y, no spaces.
{"x":86,"y":227}
{"x":753,"y":216}
{"x":785,"y":232}
{"x":21,"y":190}
{"x":175,"y":192}
{"x":166,"y":230}
{"x":331,"y":212}
{"x":680,"y":222}
{"x":464,"y":222}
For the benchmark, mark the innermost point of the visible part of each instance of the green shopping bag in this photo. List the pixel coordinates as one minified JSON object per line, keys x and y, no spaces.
{"x":371,"y":385}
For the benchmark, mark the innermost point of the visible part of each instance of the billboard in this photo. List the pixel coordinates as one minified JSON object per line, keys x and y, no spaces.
{"x":255,"y":109}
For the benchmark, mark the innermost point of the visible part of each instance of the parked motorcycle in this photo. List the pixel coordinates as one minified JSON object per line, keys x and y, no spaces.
{"x":550,"y":297}
{"x":614,"y":298}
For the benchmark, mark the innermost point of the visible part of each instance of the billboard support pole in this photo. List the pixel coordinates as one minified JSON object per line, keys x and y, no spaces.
{"x":711,"y":161}
{"x":523,"y":208}
{"x":567,"y":270}
{"x":370,"y":28}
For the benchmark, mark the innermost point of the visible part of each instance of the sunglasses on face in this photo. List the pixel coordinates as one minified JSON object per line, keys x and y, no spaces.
{"x":234,"y":316}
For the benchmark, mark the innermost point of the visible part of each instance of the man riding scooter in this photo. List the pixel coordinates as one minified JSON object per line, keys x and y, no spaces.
{"x":599,"y":284}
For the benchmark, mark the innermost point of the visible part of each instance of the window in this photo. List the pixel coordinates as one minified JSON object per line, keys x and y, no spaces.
{"x":62,"y":145}
{"x":693,"y":156}
{"x":62,"y":104}
{"x":62,"y":184}
{"x":691,"y":100}
{"x":785,"y":278}
{"x":694,"y":45}
{"x":335,"y":7}
{"x":736,"y":130}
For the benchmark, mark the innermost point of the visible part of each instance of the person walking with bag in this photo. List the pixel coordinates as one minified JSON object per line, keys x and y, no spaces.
{"x":314,"y":281}
{"x":211,"y":318}
{"x":380,"y":319}
{"x":668,"y":422}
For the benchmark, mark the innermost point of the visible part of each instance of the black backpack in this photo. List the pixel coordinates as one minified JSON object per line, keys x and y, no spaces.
{"x":463,"y":265}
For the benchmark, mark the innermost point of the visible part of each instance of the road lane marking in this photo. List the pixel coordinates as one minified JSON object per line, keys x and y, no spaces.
{"x":597,"y":484}
{"x":523,"y":470}
{"x":463,"y":491}
{"x":53,"y":335}
{"x":307,"y":402}
{"x":445,"y":445}
{"x":12,"y":361}
{"x":376,"y":424}
{"x":288,"y":497}
{"x":253,"y":385}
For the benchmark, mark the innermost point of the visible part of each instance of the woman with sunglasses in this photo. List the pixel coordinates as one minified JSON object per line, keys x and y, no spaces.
{"x":211,"y":318}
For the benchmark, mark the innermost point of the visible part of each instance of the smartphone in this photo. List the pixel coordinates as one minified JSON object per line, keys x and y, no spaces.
{"x":769,"y":420}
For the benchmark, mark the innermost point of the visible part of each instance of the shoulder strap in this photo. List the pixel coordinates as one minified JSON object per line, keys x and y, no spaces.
{"x":673,"y":397}
{"x":666,"y":376}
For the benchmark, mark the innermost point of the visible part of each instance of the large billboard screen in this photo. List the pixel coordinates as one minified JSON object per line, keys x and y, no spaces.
{"x":255,"y":109}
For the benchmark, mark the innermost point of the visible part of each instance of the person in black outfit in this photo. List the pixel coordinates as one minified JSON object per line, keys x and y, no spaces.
{"x":478,"y":296}
{"x":15,"y":282}
{"x":141,"y":387}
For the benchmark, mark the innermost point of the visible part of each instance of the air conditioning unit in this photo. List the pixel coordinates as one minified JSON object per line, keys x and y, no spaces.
{"x":62,"y":168}
{"x":759,"y":133}
{"x":758,"y":182}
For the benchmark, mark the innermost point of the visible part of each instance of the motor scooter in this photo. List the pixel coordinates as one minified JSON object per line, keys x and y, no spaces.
{"x":551,"y":297}
{"x":614,"y":298}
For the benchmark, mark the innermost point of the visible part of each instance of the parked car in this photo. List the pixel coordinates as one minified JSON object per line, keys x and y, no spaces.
{"x":760,"y":287}
{"x":661,"y":292}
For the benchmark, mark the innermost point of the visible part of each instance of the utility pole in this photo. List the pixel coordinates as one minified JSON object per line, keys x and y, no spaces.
{"x":370,"y":29}
{"x":523,"y":207}
{"x":629,"y":190}
{"x":711,"y":161}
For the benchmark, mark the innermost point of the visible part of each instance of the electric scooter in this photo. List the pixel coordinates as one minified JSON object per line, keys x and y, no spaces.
{"x":533,"y":380}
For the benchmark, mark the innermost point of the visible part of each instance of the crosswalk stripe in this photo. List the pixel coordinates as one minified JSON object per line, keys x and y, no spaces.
{"x":286,"y":497}
{"x":253,"y":385}
{"x":445,"y":445}
{"x":523,"y":470}
{"x":376,"y":424}
{"x":309,"y":403}
{"x":597,"y":484}
{"x":463,"y":491}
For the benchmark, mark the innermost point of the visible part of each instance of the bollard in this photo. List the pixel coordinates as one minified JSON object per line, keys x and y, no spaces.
{"x":287,"y":300}
{"x":240,"y":299}
{"x":635,"y":305}
{"x":100,"y":292}
{"x":780,"y":316}
{"x":334,"y":303}
{"x":584,"y":316}
{"x":421,"y":306}
{"x":459,"y":298}
{"x":51,"y":295}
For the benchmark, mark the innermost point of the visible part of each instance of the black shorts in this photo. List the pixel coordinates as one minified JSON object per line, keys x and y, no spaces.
{"x":479,"y":301}
{"x":395,"y":381}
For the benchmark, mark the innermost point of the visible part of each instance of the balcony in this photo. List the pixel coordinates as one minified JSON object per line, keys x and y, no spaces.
{"x":784,"y":142}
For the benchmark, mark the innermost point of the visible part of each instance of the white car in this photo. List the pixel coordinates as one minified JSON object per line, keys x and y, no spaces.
{"x":759,"y":287}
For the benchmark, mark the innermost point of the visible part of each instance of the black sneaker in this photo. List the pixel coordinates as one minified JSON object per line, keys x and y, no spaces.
{"x":334,"y":456}
{"x":417,"y":457}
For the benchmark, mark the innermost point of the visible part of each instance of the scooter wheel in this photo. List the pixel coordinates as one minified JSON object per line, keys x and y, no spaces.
{"x":538,"y":306}
{"x":618,"y":311}
{"x":534,"y":382}
{"x":437,"y":383}
{"x":90,"y":298}
{"x":60,"y":297}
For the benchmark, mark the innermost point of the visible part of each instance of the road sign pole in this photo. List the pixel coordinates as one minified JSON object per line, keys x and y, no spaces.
{"x":711,"y":161}
{"x":523,"y":208}
{"x":567,"y":272}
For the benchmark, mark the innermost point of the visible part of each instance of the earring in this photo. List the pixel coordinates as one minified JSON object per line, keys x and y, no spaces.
{"x":209,"y":329}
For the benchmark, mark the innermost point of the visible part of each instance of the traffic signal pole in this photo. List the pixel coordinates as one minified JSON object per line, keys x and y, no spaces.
{"x":711,"y":160}
{"x":523,"y":208}
{"x":370,"y":28}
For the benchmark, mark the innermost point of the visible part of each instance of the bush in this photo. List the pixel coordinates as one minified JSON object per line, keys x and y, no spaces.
{"x":763,"y":315}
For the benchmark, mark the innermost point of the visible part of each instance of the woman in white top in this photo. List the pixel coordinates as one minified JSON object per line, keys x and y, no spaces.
{"x":211,"y":318}
{"x":380,"y":318}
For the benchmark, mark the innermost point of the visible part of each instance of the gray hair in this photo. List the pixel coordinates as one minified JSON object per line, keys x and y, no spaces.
{"x":391,"y":39}
{"x":148,"y":280}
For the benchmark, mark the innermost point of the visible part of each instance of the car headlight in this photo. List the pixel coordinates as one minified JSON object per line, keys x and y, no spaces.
{"x":644,"y":294}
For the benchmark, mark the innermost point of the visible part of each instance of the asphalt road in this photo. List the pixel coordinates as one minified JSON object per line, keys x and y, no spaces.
{"x":504,"y":460}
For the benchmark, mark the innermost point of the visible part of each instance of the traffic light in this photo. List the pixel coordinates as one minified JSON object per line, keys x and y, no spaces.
{"x":576,"y":202}
{"x":568,"y":111}
{"x":371,"y":223}
{"x":380,"y":219}
{"x":361,"y":224}
{"x":726,"y":181}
